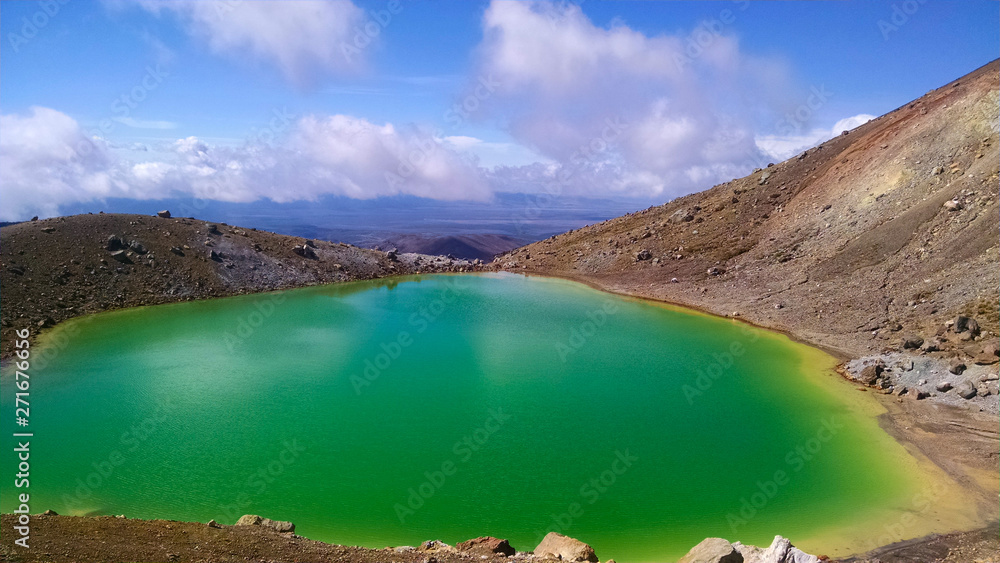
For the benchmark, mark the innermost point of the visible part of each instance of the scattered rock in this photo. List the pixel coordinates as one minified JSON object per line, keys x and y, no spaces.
{"x":931,"y":345}
{"x":177,"y":250}
{"x":763,"y":177}
{"x":213,"y":255}
{"x":780,"y":551}
{"x":966,"y":390}
{"x":716,"y":271}
{"x":566,"y":548}
{"x":304,"y":251}
{"x":953,"y":205}
{"x":211,"y":523}
{"x":137,"y":247}
{"x":712,"y":550}
{"x":165,"y":214}
{"x":957,"y":367}
{"x":921,"y":394}
{"x":963,"y":324}
{"x":643,"y":255}
{"x":912,"y":342}
{"x":48,"y":229}
{"x":276,"y":525}
{"x":870,"y":374}
{"x":486,"y":546}
{"x":943,"y":387}
{"x":114,"y":243}
{"x":682,"y":216}
{"x":121,"y":256}
{"x":249,"y":520}
{"x":937,"y":170}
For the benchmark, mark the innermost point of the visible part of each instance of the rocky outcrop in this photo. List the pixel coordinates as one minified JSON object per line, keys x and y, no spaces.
{"x":558,"y":546}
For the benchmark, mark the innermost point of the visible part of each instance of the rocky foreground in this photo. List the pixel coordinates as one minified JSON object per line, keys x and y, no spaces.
{"x":255,"y":539}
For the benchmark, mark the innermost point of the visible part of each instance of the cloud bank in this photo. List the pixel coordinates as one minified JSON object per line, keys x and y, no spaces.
{"x":48,"y":160}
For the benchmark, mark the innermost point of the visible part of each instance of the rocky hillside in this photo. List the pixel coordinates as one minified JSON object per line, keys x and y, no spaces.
{"x":881,"y":234}
{"x":63,"y":267}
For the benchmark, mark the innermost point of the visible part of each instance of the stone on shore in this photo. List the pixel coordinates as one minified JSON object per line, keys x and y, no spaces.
{"x":558,"y":546}
{"x":276,"y":525}
{"x":486,"y":545}
{"x":780,"y":551}
{"x":712,"y":550}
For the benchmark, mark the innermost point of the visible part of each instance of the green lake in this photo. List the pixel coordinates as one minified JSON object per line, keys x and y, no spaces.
{"x":448,"y":407}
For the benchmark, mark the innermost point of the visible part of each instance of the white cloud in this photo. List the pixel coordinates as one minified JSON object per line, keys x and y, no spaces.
{"x":49,"y":161}
{"x":781,"y":147}
{"x":622,"y":112}
{"x":299,"y":38}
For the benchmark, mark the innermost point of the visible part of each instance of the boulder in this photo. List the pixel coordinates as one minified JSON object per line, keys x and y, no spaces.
{"x":114,"y":243}
{"x":957,"y":367}
{"x":49,"y":230}
{"x":50,"y":512}
{"x":212,"y":523}
{"x":869,"y":374}
{"x":249,"y":520}
{"x":931,"y":345}
{"x":780,"y":551}
{"x":177,"y":250}
{"x":213,"y":255}
{"x":643,"y":255}
{"x":912,"y":342}
{"x":963,"y":323}
{"x":213,"y":229}
{"x":921,"y":394}
{"x":280,"y":526}
{"x":304,"y":251}
{"x":712,"y":550}
{"x":715,"y":271}
{"x":558,"y":546}
{"x":943,"y":387}
{"x":966,"y":390}
{"x":682,"y":216}
{"x":276,"y":525}
{"x":953,"y":205}
{"x":486,"y":545}
{"x":137,"y":247}
{"x":165,"y":214}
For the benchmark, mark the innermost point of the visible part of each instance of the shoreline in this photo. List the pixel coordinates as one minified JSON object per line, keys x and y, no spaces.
{"x":890,"y":421}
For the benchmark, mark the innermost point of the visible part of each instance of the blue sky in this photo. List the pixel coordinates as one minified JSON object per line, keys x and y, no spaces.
{"x":242,"y":100}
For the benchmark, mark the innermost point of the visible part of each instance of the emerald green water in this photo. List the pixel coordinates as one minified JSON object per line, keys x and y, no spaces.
{"x":187,"y":412}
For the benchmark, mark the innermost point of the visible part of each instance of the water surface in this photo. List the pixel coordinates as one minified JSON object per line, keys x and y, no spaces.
{"x":448,"y":407}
